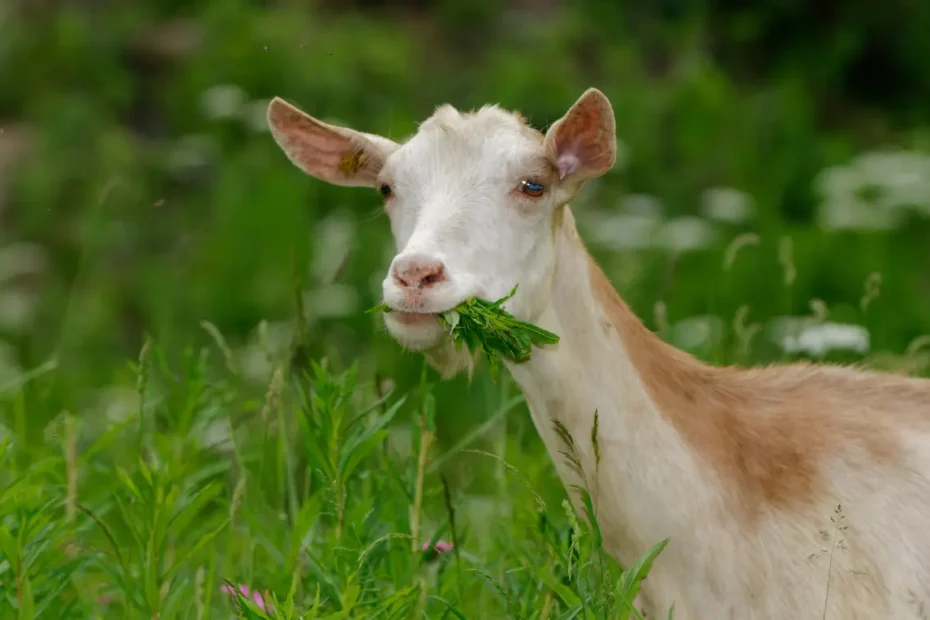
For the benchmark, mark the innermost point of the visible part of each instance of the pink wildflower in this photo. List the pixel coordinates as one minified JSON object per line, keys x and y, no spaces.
{"x":244,"y":591}
{"x":441,"y":546}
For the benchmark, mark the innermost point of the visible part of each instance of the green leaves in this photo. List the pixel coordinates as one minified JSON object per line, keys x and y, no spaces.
{"x":632,"y":580}
{"x":486,"y":327}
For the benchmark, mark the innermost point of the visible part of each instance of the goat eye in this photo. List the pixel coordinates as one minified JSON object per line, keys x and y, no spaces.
{"x":534,"y":190}
{"x":385,"y":190}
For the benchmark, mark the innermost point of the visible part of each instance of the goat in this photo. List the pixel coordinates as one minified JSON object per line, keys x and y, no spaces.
{"x":742,"y":469}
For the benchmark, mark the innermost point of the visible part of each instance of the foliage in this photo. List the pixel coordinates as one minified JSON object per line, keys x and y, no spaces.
{"x":484,"y":326}
{"x":320,"y":516}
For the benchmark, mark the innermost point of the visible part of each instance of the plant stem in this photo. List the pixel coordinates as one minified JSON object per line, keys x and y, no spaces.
{"x":426,"y":437}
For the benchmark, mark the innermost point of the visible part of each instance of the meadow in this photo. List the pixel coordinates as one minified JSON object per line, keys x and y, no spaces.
{"x":194,"y":402}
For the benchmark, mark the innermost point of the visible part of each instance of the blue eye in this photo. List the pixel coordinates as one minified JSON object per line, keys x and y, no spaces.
{"x":532,"y":189}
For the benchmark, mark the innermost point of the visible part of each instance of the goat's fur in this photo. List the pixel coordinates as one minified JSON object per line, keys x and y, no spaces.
{"x":743,"y":469}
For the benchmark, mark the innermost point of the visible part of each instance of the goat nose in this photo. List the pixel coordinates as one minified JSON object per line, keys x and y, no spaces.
{"x":418,"y":271}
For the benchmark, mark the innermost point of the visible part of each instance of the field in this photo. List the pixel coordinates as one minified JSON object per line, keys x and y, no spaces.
{"x":192,"y":397}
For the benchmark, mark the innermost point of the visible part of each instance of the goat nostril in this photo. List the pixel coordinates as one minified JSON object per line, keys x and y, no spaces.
{"x":432,"y":277}
{"x":415,"y":274}
{"x":401,"y":277}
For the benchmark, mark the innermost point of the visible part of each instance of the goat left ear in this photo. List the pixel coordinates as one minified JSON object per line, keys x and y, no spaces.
{"x":583,"y":143}
{"x":338,"y":155}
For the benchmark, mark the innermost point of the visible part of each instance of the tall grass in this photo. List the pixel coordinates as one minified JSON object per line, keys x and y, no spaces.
{"x":210,"y":498}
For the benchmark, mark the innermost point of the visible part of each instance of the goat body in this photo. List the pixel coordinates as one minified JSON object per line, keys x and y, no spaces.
{"x":771,"y":483}
{"x":795,"y":491}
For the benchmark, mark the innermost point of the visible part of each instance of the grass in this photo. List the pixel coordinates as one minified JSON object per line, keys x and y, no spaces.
{"x":323,"y":496}
{"x":484,"y":326}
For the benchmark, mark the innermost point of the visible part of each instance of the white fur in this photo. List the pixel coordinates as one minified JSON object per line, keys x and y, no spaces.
{"x":454,"y":200}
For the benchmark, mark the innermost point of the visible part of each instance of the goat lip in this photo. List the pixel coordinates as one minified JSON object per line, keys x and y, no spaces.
{"x":410,"y":318}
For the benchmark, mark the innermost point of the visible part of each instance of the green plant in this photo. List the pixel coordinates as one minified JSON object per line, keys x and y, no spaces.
{"x":485,"y":326}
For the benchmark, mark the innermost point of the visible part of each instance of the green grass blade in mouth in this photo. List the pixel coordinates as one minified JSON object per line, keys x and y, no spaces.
{"x":485,"y":326}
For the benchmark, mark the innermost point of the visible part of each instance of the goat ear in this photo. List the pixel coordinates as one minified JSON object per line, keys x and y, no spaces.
{"x":584,"y":142}
{"x":337,"y":155}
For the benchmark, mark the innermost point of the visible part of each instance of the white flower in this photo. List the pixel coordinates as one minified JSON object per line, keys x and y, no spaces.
{"x":223,"y":101}
{"x":697,"y":332}
{"x":726,"y":204}
{"x":818,"y":340}
{"x":9,"y":363}
{"x":216,"y":432}
{"x":854,"y":214}
{"x":18,"y":259}
{"x":118,"y":403}
{"x":189,"y":153}
{"x":255,"y":115}
{"x":332,"y":242}
{"x":837,"y":181}
{"x":621,"y":231}
{"x":643,"y":205}
{"x":332,"y":301}
{"x":400,"y":440}
{"x":632,"y":225}
{"x":254,"y":363}
{"x":17,"y":308}
{"x":687,"y":233}
{"x":875,"y":191}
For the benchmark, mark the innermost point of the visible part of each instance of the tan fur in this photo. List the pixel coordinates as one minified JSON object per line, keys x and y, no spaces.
{"x":743,"y":469}
{"x":764,"y":429}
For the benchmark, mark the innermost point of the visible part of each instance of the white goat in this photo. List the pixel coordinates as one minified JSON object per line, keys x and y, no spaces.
{"x":742,"y":468}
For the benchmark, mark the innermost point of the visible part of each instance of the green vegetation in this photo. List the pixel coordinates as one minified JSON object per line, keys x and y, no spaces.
{"x":769,"y":203}
{"x":484,"y":326}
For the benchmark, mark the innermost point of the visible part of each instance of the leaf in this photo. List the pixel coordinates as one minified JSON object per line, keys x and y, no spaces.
{"x":572,"y":613}
{"x":307,"y":516}
{"x":449,"y":607}
{"x":563,"y":592}
{"x":8,"y":547}
{"x":542,"y":336}
{"x":197,"y":546}
{"x":129,"y":484}
{"x":360,"y":451}
{"x":452,"y":318}
{"x":382,"y":307}
{"x":592,"y":518}
{"x":363,"y":439}
{"x":324,"y":581}
{"x":22,"y":379}
{"x":194,"y":505}
{"x":27,"y":602}
{"x":632,"y":578}
{"x":472,"y":435}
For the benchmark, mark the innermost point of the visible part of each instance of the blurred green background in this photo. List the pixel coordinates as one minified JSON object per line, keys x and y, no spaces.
{"x":140,"y":192}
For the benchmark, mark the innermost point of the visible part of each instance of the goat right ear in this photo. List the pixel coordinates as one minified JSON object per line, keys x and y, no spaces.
{"x":583,"y":143}
{"x":337,"y":155}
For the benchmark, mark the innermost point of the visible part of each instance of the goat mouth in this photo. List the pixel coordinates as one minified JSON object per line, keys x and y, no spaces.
{"x":413,"y":318}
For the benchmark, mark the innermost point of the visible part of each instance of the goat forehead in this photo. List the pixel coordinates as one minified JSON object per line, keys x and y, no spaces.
{"x":487,"y":144}
{"x":489,"y":117}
